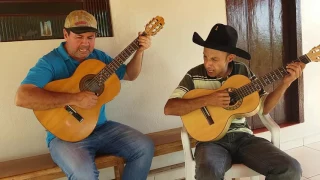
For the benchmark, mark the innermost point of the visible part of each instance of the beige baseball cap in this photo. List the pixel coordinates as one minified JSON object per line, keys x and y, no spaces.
{"x":80,"y":21}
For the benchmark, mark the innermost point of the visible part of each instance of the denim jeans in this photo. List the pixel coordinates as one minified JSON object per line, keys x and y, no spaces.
{"x":77,"y":159}
{"x":213,"y":159}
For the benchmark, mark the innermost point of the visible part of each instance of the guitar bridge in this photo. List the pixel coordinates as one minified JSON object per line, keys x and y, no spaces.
{"x":74,"y":113}
{"x":207,"y":115}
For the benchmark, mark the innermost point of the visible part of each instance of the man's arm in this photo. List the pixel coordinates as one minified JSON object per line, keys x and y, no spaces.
{"x":33,"y":97}
{"x":180,"y":107}
{"x":134,"y":66}
{"x":295,"y":71}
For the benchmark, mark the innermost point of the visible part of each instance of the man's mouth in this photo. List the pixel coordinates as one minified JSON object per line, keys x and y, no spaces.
{"x":83,"y":50}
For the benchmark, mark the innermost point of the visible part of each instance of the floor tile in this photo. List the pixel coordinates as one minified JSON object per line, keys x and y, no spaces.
{"x":315,"y":146}
{"x":309,"y":160}
{"x":315,"y":178}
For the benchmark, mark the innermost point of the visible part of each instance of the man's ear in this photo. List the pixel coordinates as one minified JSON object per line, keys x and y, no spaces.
{"x":65,"y":34}
{"x":231,"y":57}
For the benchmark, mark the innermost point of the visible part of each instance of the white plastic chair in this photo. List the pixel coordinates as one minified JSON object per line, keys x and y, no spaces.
{"x":237,"y":171}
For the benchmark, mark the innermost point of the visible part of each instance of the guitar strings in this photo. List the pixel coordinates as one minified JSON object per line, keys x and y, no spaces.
{"x":107,"y":72}
{"x":259,"y":83}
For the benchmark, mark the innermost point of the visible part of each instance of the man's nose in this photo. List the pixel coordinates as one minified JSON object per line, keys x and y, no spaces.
{"x":85,"y":41}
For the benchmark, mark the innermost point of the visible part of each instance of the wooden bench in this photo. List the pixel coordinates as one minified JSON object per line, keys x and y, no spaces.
{"x":43,"y":168}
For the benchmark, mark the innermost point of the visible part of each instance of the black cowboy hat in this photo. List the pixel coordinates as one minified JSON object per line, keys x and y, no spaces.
{"x":223,"y":38}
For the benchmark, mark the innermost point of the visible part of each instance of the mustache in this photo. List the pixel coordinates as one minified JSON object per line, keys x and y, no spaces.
{"x":84,"y":47}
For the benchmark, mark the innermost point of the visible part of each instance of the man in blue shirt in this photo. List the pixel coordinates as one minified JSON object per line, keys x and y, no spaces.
{"x":76,"y":159}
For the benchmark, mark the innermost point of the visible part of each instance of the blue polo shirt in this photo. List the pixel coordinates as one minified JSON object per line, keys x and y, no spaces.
{"x":59,"y":65}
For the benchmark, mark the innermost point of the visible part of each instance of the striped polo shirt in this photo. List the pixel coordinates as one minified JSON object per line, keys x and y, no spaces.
{"x":197,"y":78}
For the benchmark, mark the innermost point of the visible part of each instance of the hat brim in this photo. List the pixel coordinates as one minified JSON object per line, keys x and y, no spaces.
{"x":80,"y":30}
{"x":233,"y":50}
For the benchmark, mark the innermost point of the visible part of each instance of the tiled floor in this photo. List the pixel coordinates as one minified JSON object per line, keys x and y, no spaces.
{"x":309,"y":158}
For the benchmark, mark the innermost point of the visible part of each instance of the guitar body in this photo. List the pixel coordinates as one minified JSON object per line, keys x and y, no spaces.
{"x":196,"y":123}
{"x":63,"y":124}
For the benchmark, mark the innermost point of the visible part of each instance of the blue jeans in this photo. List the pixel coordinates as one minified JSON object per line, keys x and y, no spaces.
{"x":213,"y":159}
{"x":77,"y":159}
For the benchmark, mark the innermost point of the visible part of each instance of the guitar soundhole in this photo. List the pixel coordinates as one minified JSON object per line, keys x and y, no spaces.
{"x":88,"y":84}
{"x":235,"y":101}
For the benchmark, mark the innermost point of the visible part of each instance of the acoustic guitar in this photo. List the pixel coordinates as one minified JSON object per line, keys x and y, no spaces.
{"x":71,"y":123}
{"x":211,"y":123}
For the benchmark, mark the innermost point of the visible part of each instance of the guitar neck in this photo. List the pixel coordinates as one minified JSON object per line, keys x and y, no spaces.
{"x":265,"y":80}
{"x":110,"y":68}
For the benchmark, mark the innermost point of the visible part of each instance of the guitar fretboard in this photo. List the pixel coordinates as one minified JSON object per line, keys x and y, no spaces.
{"x":265,"y":80}
{"x":110,"y":68}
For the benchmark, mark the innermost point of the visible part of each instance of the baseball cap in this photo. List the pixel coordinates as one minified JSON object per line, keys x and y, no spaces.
{"x":80,"y":21}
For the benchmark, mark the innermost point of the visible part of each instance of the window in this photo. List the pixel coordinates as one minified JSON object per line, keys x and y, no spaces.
{"x":41,"y":19}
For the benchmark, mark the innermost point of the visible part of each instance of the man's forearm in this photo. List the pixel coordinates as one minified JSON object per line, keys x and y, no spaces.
{"x":273,"y":98}
{"x":39,"y":99}
{"x":134,"y":66}
{"x":180,"y":107}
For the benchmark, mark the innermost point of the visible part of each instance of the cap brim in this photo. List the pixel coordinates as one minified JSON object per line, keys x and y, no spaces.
{"x":233,"y":50}
{"x":80,"y":30}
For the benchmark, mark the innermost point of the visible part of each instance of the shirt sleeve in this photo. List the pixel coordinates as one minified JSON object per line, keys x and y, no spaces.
{"x":121,"y":71}
{"x":186,"y":84}
{"x":39,"y":75}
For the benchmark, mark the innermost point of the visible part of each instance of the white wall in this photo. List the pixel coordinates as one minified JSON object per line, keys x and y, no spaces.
{"x":140,"y":103}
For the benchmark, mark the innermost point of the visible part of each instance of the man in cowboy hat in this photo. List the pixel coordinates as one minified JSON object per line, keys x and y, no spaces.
{"x":214,"y":158}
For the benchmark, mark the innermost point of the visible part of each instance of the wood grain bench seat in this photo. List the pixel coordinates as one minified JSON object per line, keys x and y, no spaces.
{"x":42,"y":167}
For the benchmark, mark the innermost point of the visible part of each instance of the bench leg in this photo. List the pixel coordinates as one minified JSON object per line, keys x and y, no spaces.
{"x":118,"y":170}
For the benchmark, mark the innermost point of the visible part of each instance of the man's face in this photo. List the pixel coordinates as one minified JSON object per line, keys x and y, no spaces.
{"x":216,"y":62}
{"x":79,"y":46}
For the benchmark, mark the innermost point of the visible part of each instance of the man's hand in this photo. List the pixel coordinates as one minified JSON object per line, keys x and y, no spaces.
{"x":144,"y":42}
{"x":295,"y":70}
{"x":219,"y":98}
{"x":85,"y":99}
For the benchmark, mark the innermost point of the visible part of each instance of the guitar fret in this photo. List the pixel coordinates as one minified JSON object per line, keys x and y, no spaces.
{"x":241,"y":92}
{"x":108,"y":70}
{"x":280,"y":73}
{"x":304,"y":59}
{"x":283,"y":71}
{"x":118,"y":59}
{"x":260,"y":82}
{"x":131,"y":49}
{"x":272,"y":77}
{"x":125,"y":54}
{"x":127,"y":51}
{"x":136,"y":44}
{"x":117,"y":63}
{"x":248,"y":89}
{"x":122,"y":56}
{"x":112,"y":66}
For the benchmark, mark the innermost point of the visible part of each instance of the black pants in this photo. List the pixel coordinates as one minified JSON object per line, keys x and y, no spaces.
{"x":213,"y":159}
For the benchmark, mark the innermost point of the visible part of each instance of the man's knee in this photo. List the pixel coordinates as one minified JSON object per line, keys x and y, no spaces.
{"x":209,"y":171}
{"x":289,"y":169}
{"x":294,"y":169}
{"x":82,"y":173}
{"x":144,"y":147}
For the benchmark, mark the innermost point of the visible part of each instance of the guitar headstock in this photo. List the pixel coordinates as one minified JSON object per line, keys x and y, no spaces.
{"x":314,"y":54}
{"x":154,"y":26}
